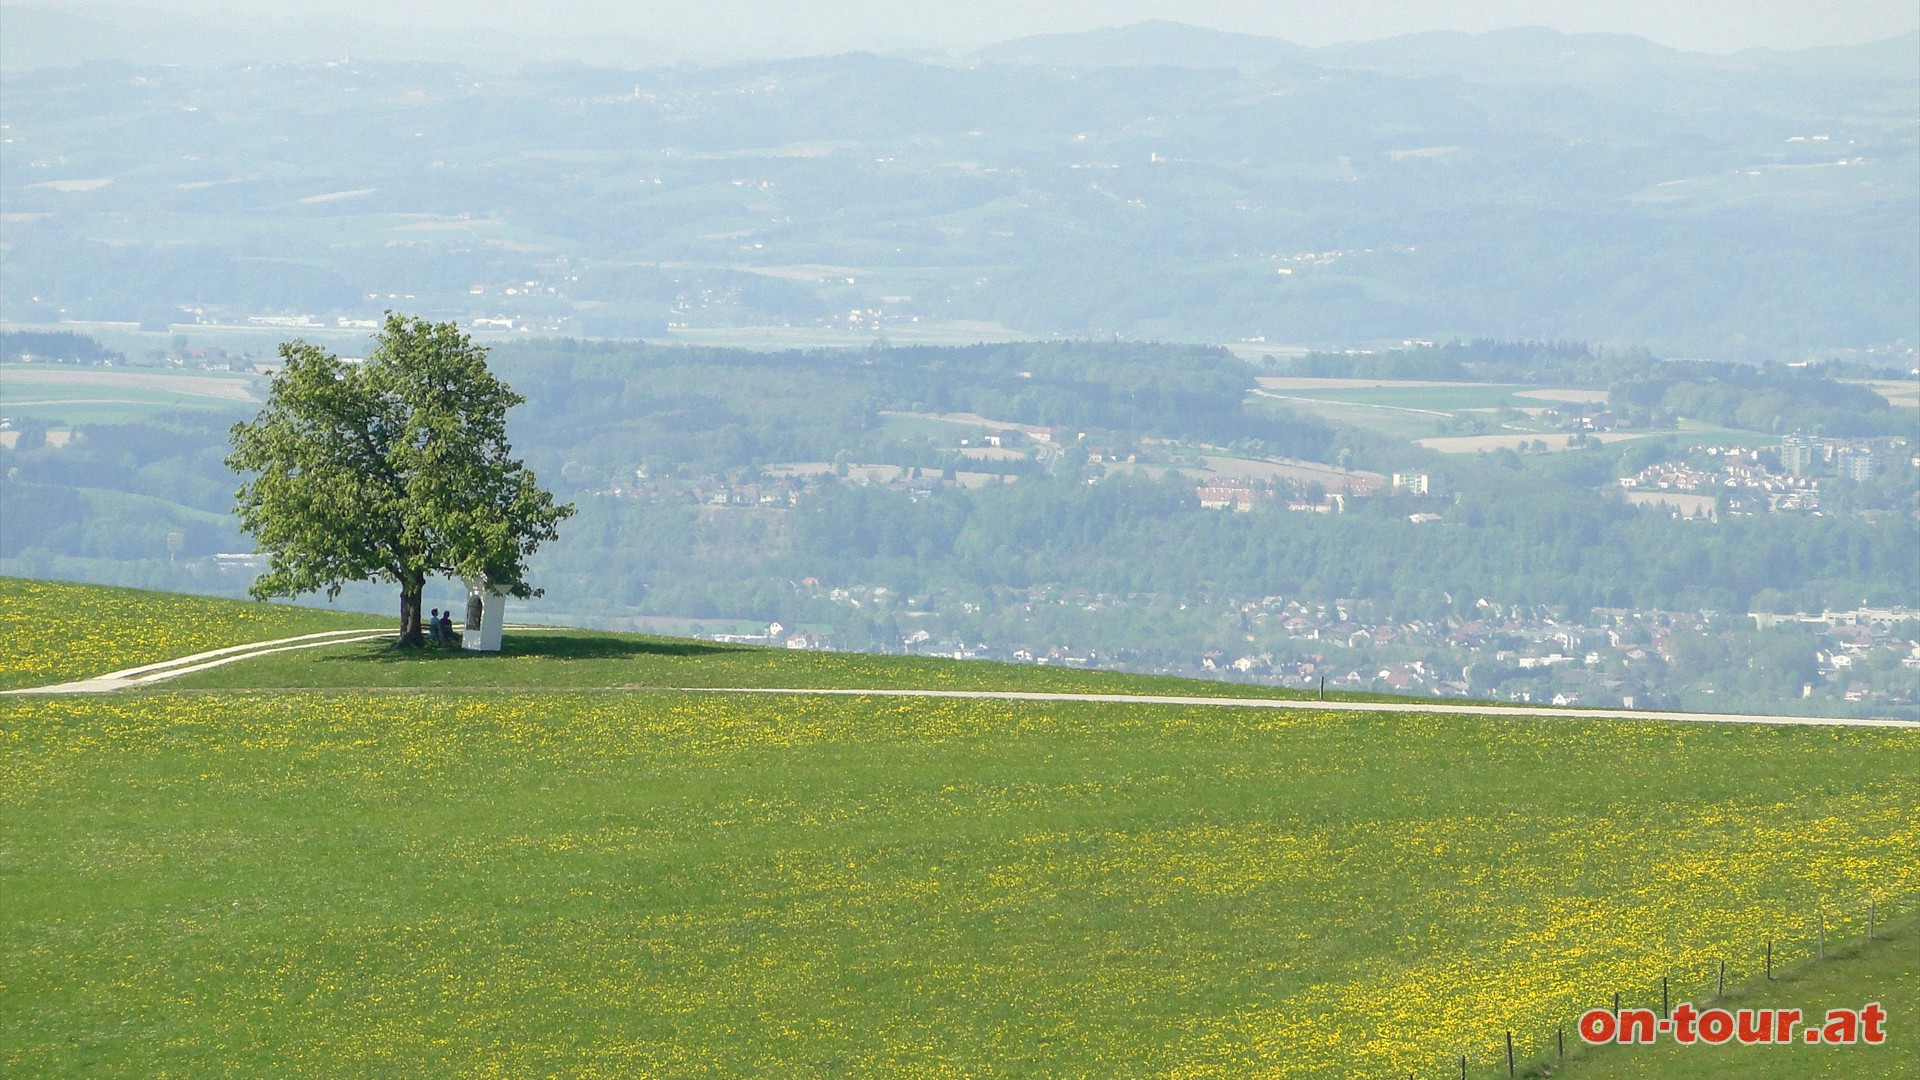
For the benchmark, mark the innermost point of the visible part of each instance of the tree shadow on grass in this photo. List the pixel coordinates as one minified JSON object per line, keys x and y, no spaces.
{"x":546,"y":646}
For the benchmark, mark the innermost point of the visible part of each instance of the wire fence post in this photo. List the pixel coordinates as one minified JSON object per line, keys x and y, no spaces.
{"x":1666,"y":996}
{"x":1509,"y":1053}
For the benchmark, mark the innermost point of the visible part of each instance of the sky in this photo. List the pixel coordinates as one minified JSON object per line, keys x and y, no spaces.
{"x":710,"y":29}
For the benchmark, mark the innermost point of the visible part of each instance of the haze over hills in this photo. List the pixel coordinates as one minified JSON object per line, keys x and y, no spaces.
{"x":1539,"y":53}
{"x":1534,"y":51}
{"x":40,"y":37}
{"x":1444,"y":366}
{"x":1574,"y":207}
{"x":1145,"y":44}
{"x":1153,"y":181}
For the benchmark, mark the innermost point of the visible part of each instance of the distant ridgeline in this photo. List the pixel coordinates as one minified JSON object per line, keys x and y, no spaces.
{"x":57,"y":346}
{"x":1743,"y":206}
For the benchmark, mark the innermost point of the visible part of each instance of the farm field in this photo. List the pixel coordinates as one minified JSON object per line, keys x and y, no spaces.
{"x":783,"y":337}
{"x":1397,"y":421}
{"x":1334,"y":478}
{"x":66,"y":412}
{"x":1419,"y":410}
{"x":1680,"y":502}
{"x":1437,"y":397}
{"x":392,"y":876}
{"x":1699,"y":431}
{"x":45,"y":379}
{"x":83,"y":395}
{"x":1554,"y":440}
{"x":1584,"y":396}
{"x":1316,"y":383}
{"x":1226,"y":468}
{"x":1900,"y":393}
{"x":1414,"y":409}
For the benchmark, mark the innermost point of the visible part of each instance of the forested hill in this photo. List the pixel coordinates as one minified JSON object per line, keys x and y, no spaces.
{"x":719,"y":408}
{"x":1531,"y":541}
{"x":1084,"y":493}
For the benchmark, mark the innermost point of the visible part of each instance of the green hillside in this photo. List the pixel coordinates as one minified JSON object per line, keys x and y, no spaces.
{"x":553,"y":659}
{"x":56,"y":631}
{"x":608,"y":882}
{"x":52,"y":631}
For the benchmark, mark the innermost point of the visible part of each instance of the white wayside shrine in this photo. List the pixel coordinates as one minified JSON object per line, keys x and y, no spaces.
{"x":486,"y":614}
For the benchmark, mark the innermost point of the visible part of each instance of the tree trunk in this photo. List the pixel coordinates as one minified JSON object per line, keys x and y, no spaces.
{"x":410,"y":635}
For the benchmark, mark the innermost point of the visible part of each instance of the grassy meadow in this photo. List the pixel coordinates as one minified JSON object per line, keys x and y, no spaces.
{"x":1455,"y":398}
{"x":1420,"y":411}
{"x":596,"y":659}
{"x":53,"y":632}
{"x":1886,"y":970}
{"x":600,"y":882}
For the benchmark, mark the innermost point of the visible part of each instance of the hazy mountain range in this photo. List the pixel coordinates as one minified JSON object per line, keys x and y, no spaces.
{"x":1530,"y":53}
{"x":1156,"y":180}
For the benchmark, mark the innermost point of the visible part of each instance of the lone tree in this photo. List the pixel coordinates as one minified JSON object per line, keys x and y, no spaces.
{"x":395,"y":469}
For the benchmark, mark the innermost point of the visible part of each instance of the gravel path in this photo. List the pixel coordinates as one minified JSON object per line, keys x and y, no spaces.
{"x":127,"y":678}
{"x":1443,"y":708}
{"x":149,"y":674}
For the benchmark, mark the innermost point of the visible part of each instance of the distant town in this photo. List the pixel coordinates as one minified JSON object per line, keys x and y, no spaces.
{"x":1752,"y":480}
{"x":1611,"y":658}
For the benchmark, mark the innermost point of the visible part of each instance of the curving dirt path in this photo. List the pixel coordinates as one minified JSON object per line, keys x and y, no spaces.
{"x":1438,"y":707}
{"x":148,"y":674}
{"x":127,"y":678}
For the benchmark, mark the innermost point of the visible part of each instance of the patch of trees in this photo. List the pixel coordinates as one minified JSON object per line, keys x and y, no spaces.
{"x":58,"y":346}
{"x":100,"y":524}
{"x":1769,"y":399}
{"x":1562,"y":363}
{"x":1528,"y":542}
{"x":609,"y":406}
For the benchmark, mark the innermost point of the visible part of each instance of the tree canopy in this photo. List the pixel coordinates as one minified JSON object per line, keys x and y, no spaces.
{"x":395,"y":469}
